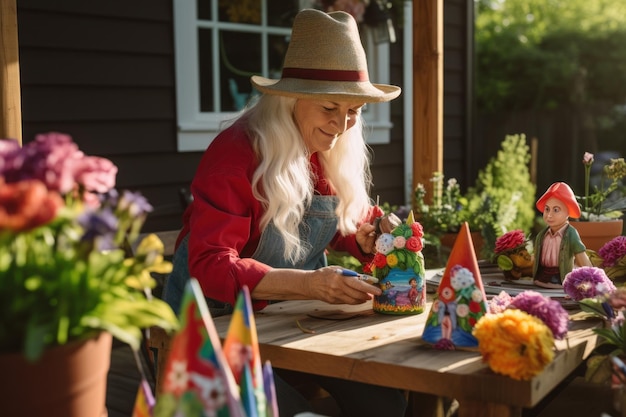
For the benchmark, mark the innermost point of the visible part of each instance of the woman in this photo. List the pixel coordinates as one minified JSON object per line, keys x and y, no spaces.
{"x":284,"y":181}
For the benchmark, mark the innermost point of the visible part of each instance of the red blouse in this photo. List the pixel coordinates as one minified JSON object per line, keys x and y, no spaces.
{"x":224,"y":219}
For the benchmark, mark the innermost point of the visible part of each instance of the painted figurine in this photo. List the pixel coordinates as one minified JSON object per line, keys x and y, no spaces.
{"x":558,"y":247}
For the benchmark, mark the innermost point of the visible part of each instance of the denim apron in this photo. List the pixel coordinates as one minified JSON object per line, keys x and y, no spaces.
{"x":318,"y":227}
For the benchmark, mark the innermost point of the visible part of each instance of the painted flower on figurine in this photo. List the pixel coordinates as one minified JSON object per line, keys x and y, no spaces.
{"x":509,"y":241}
{"x":513,"y":255}
{"x":384,"y":243}
{"x":514,"y":343}
{"x":587,"y":282}
{"x":401,"y":248}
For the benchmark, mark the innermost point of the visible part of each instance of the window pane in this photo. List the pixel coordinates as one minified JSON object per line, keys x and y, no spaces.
{"x":276,"y":54}
{"x":204,"y":9}
{"x":205,"y":62}
{"x":242,"y":11}
{"x":281,"y":12}
{"x":240,"y":58}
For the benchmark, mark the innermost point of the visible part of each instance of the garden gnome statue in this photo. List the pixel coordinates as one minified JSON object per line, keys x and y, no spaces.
{"x":558,"y":246}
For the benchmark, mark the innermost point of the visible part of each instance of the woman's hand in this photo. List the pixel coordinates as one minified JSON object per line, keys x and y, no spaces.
{"x":366,"y":238}
{"x":329,"y":285}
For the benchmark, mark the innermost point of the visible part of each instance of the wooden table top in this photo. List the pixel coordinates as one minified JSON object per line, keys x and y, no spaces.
{"x":355,"y":343}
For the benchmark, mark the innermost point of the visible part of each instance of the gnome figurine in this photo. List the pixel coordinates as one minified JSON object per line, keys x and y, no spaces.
{"x":460,"y":300}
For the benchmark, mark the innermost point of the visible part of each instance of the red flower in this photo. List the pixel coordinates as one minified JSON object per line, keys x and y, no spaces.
{"x":509,"y":240}
{"x":414,"y":244}
{"x":380,"y":260}
{"x":367,"y":268}
{"x":475,"y":307}
{"x":27,"y":204}
{"x":418,"y":229}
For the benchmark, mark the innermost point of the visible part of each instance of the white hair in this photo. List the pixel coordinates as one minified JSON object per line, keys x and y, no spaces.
{"x":283,"y":182}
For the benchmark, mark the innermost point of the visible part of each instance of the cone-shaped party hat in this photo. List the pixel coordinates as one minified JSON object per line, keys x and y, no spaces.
{"x":460,"y":300}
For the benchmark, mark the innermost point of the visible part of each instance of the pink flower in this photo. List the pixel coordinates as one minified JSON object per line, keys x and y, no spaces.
{"x":509,"y":240}
{"x":500,"y":302}
{"x":612,"y":251}
{"x":399,"y":242}
{"x":96,"y":174}
{"x":588,"y":159}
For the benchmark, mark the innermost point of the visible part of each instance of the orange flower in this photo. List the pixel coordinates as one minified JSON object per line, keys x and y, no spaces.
{"x":514,"y":343}
{"x":27,"y":204}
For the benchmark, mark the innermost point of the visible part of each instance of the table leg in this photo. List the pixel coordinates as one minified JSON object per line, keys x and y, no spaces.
{"x":469,"y":408}
{"x":424,"y":405}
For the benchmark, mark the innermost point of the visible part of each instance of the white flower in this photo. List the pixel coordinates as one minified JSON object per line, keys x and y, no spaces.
{"x":384,"y":243}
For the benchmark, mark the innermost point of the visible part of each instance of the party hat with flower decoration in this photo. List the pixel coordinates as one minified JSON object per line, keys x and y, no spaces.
{"x":241,"y":348}
{"x":460,"y":300}
{"x":198,"y":379}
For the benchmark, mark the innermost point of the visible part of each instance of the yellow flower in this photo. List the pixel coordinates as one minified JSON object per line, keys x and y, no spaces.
{"x":514,"y":343}
{"x":392,"y":260}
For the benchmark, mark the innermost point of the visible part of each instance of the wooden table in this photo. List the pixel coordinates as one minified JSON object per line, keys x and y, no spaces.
{"x":354,"y":343}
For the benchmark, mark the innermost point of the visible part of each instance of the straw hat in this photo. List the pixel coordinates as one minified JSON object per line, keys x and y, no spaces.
{"x":326,"y":60}
{"x":560,"y":191}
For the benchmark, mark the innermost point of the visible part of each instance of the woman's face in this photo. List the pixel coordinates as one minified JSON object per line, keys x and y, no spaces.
{"x":321,"y":122}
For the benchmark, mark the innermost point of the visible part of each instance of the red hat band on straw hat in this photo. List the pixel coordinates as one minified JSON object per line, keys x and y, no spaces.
{"x":561,"y":191}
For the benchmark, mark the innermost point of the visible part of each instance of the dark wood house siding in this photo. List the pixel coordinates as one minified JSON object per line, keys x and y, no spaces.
{"x":458,"y":41}
{"x":103,"y":72}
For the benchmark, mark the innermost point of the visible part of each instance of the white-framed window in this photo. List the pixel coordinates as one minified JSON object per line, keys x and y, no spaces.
{"x":219,"y":44}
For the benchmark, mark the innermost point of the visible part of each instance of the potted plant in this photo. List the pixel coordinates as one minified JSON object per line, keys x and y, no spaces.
{"x":603,"y":205}
{"x":67,"y":279}
{"x":612,"y":258}
{"x":447,"y":210}
{"x":599,"y":297}
{"x":503,"y":197}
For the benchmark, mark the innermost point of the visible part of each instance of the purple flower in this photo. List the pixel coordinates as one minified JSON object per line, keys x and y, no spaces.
{"x":544,"y":308}
{"x":612,"y":251}
{"x":9,"y":149}
{"x":50,"y":158}
{"x":587,"y":282}
{"x":135,"y":203}
{"x":99,"y":224}
{"x":444,"y":344}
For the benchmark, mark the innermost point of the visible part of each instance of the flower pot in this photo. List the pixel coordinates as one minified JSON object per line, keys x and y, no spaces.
{"x":447,"y":240}
{"x":596,"y":234}
{"x":67,"y":381}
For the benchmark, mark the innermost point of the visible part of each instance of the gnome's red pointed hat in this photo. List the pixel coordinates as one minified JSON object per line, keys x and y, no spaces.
{"x":560,"y":191}
{"x":460,"y":300}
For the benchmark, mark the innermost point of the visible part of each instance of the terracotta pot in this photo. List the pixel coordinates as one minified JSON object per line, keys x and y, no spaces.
{"x":596,"y":234}
{"x":447,"y":240}
{"x":67,"y":381}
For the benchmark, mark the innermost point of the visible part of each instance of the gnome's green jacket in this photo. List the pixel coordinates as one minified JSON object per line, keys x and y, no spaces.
{"x":570,"y":246}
